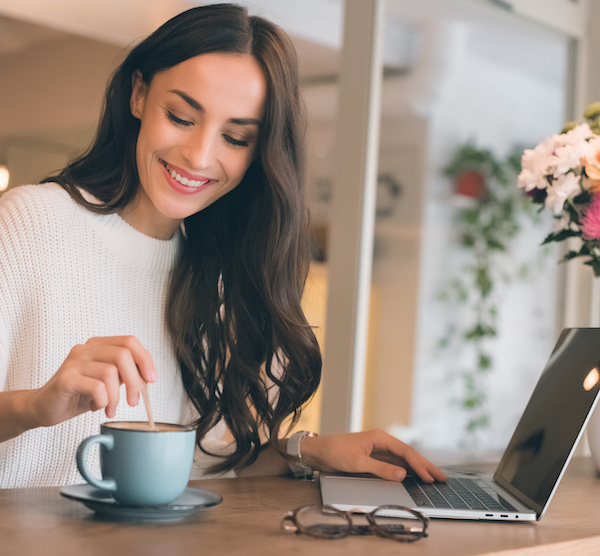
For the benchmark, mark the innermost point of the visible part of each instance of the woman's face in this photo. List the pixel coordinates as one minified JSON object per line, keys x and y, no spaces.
{"x":200,"y":122}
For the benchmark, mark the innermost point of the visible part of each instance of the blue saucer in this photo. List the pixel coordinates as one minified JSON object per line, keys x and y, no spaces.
{"x":190,"y":501}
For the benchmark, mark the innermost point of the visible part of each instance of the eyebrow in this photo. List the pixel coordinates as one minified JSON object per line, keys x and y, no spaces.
{"x":197,"y":106}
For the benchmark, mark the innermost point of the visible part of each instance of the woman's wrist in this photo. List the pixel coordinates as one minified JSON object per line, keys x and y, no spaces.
{"x":301,"y":466}
{"x":309,"y":451}
{"x":24,"y":409}
{"x":16,"y":411}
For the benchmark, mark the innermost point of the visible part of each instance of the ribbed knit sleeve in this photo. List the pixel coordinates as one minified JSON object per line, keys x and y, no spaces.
{"x":66,"y":275}
{"x":19,"y":257}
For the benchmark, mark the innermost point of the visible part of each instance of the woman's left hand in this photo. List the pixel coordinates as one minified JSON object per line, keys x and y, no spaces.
{"x":373,"y":451}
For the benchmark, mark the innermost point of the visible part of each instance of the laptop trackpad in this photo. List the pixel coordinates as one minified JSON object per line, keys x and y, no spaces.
{"x":362,"y":493}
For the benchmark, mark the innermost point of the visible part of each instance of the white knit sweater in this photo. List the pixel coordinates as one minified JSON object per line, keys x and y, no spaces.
{"x":66,"y":275}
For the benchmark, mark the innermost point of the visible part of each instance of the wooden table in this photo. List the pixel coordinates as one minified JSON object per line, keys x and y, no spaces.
{"x":40,"y":521}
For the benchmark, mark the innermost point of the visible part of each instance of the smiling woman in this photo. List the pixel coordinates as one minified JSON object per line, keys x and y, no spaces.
{"x":174,"y":251}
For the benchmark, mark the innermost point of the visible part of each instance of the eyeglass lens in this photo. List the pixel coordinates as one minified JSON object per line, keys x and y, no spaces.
{"x":323,"y":522}
{"x":399,"y":524}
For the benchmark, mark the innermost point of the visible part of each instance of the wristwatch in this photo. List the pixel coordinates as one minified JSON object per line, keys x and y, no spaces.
{"x":294,"y":448}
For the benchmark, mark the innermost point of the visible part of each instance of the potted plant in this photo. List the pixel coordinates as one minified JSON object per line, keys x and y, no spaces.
{"x":486,"y":228}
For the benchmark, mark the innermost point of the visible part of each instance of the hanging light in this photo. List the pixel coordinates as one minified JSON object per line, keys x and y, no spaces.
{"x":4,"y":177}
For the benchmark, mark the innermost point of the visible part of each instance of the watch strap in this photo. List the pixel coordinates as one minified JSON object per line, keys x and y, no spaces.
{"x":294,"y":448}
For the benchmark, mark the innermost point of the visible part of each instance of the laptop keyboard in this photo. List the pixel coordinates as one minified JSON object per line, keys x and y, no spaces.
{"x":463,"y":494}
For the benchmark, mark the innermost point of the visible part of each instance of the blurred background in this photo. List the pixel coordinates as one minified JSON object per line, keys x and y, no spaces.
{"x":431,"y":337}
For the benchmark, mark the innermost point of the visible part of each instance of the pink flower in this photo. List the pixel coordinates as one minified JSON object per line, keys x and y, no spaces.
{"x":590,"y":223}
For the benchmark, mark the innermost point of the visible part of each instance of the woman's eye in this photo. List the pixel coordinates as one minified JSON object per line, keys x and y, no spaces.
{"x":178,"y":121}
{"x":235,"y":142}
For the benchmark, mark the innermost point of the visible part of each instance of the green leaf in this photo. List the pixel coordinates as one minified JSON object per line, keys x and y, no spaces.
{"x":571,"y":255}
{"x":473,"y":403}
{"x":583,"y":198}
{"x":583,"y":252}
{"x":595,"y":264}
{"x":478,"y":423}
{"x":560,"y":236}
{"x":485,"y":362}
{"x":494,"y":245}
{"x":483,"y":281}
{"x":468,"y":240}
{"x":479,"y":331}
{"x":470,"y":216}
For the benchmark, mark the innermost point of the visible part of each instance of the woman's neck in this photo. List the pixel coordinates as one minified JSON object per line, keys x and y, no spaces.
{"x":142,"y":215}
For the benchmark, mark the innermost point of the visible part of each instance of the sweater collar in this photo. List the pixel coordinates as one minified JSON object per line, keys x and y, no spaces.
{"x":135,"y":248}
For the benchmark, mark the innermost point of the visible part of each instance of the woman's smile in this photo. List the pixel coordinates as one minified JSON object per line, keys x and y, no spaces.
{"x":184,"y":182}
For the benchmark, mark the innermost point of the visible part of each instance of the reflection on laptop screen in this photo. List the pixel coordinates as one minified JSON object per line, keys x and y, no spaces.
{"x":543,"y":439}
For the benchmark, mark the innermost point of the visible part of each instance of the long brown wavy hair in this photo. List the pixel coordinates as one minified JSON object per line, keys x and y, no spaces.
{"x":246,"y":352}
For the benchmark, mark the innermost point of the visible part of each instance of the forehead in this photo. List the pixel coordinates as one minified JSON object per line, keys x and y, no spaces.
{"x":218,"y":81}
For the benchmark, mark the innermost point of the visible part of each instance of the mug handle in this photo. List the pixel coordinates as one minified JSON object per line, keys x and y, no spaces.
{"x":107,"y":441}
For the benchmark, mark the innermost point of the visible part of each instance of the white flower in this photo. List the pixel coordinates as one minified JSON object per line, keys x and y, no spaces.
{"x":530,"y":180}
{"x":579,"y":134}
{"x":591,"y":147}
{"x":569,"y":149}
{"x":568,"y":157}
{"x":563,"y":187}
{"x":559,"y":159}
{"x":534,"y":166}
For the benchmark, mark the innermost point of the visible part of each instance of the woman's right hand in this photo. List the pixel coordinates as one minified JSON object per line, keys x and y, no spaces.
{"x":90,"y":378}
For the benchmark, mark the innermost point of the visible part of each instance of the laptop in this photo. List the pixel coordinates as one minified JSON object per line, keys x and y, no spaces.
{"x":532,"y":465}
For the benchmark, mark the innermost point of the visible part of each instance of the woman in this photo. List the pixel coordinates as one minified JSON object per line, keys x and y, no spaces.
{"x":173,"y":252}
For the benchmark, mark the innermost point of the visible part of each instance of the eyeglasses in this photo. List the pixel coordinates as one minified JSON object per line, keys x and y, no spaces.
{"x":325,"y":522}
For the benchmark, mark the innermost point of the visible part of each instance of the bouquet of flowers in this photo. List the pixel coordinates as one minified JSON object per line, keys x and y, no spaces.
{"x":563,"y":175}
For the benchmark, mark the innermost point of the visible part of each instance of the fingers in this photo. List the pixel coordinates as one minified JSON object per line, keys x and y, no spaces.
{"x":419,"y":464}
{"x":98,"y":381}
{"x":91,"y":376}
{"x":105,"y":388}
{"x":132,"y":362}
{"x":114,"y":363}
{"x":385,"y":470}
{"x":135,"y":349}
{"x":96,"y":391}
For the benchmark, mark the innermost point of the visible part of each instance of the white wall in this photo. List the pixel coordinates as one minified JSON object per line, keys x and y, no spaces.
{"x":50,"y":99}
{"x":493,"y":93}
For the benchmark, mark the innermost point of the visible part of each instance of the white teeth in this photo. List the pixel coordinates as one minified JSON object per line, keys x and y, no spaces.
{"x":185,"y":181}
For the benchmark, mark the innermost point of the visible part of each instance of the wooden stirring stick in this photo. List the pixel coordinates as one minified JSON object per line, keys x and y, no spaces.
{"x":146,"y":398}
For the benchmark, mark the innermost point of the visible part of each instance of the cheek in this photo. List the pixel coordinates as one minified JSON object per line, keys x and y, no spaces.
{"x":154,"y":135}
{"x":242,"y":165}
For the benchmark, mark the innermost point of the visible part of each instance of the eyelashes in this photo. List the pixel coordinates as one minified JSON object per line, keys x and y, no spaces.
{"x":186,"y":123}
{"x":235,"y":142}
{"x":178,"y":121}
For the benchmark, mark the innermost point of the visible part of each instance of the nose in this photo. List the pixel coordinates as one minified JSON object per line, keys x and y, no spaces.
{"x":199,"y":149}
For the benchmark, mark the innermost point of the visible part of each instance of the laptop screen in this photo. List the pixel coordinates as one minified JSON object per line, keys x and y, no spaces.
{"x":553,"y":419}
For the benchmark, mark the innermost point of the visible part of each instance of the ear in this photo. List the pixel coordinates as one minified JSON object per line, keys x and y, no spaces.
{"x":138,"y":94}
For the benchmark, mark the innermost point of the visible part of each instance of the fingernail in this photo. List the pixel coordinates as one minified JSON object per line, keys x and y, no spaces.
{"x":399,"y":474}
{"x":153,"y":375}
{"x":135,"y":399}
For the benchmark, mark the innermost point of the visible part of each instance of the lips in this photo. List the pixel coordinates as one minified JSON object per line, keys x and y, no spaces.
{"x":184,"y":182}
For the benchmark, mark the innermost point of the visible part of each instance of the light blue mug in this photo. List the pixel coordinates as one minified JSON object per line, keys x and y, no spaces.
{"x":141,"y":466}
